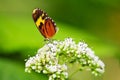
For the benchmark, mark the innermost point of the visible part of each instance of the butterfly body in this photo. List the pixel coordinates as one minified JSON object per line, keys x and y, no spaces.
{"x":45,"y":24}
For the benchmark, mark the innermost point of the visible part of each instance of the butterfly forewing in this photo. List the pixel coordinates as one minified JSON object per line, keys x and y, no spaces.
{"x":44,"y":24}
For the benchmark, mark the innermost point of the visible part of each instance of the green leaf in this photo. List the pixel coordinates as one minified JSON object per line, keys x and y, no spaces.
{"x":11,"y":70}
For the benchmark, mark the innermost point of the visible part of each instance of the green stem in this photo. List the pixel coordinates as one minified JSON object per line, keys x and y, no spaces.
{"x":73,"y":73}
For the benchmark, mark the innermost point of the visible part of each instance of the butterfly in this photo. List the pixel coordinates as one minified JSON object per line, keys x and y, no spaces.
{"x":45,"y":24}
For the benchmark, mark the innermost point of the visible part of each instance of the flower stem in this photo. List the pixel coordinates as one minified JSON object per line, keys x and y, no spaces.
{"x":73,"y":73}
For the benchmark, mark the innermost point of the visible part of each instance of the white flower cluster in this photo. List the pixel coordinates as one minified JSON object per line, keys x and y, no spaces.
{"x":51,"y":59}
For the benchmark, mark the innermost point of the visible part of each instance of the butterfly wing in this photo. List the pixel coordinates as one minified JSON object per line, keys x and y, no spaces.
{"x":48,"y":29}
{"x":45,"y":25}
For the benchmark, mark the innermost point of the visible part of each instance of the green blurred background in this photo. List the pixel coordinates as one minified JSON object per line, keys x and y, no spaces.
{"x":97,"y":22}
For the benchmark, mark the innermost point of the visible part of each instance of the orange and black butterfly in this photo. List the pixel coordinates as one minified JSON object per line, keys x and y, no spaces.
{"x":45,"y":24}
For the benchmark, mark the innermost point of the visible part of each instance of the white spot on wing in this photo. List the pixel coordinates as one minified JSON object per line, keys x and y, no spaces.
{"x":34,"y":10}
{"x":57,"y":29}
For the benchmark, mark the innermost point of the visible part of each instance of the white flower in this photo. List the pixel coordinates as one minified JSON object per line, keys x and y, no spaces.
{"x":65,"y":74}
{"x":52,"y":58}
{"x":90,"y":53}
{"x":52,"y":69}
{"x":54,"y":75}
{"x":81,"y":48}
{"x":100,"y":70}
{"x":51,"y":78}
{"x":101,"y":64}
{"x":52,"y":47}
{"x":64,"y":67}
{"x":33,"y":67}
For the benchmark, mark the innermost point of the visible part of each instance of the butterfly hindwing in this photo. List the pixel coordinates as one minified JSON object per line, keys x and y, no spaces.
{"x":49,"y":27}
{"x":44,"y":24}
